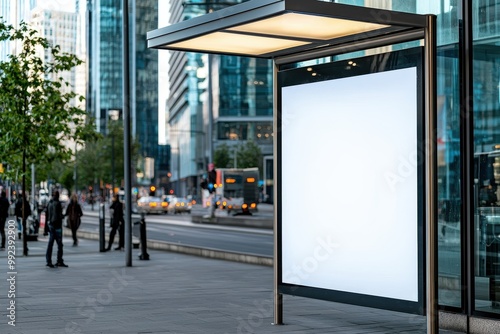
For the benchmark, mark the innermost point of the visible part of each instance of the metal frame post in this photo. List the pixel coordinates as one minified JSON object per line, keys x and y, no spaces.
{"x":126,"y":136}
{"x":432,"y":310}
{"x":277,"y":297}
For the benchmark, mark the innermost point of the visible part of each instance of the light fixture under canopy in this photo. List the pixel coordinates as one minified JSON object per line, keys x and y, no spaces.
{"x":275,"y":28}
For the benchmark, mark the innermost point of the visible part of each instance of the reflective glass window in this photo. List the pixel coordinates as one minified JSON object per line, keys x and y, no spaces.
{"x":448,"y":133}
{"x":486,"y":101}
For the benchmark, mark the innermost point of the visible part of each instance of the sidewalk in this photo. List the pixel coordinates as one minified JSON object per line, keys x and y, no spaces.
{"x":170,"y":293}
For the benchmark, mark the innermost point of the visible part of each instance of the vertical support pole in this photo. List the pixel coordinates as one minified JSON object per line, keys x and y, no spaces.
{"x":277,"y":297}
{"x":126,"y":136}
{"x":431,"y":177}
{"x":210,"y":102}
{"x":102,"y":227}
{"x":144,"y":240}
{"x":112,"y":165}
{"x":468,"y":188}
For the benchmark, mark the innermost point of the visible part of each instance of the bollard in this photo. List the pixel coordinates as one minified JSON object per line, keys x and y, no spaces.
{"x":144,"y":242}
{"x":102,"y":229}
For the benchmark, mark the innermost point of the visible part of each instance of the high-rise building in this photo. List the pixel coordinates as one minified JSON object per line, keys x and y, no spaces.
{"x":13,"y":12}
{"x":105,"y":56}
{"x":213,"y":100}
{"x":59,"y":28}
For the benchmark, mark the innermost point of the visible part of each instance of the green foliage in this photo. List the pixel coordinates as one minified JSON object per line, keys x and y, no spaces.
{"x":37,"y":113}
{"x":222,"y":157}
{"x":95,"y":161}
{"x":248,"y":155}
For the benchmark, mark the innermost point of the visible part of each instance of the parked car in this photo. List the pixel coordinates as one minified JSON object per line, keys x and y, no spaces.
{"x":179,"y":205}
{"x":152,"y":204}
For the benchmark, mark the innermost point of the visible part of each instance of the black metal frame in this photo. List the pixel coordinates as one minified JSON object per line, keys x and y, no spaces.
{"x":397,"y":60}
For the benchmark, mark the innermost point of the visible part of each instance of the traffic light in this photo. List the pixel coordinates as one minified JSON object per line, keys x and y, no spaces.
{"x":152,"y":191}
{"x":212,"y":179}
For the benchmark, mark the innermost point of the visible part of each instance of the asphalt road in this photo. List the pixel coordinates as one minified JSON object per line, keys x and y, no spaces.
{"x":178,"y":229}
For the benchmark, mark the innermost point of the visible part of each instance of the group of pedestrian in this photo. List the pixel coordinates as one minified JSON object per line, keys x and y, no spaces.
{"x":54,"y":222}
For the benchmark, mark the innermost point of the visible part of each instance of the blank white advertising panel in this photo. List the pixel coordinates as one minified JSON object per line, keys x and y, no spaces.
{"x":349,"y":184}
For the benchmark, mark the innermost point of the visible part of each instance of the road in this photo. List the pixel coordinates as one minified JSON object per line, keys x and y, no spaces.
{"x":179,"y":229}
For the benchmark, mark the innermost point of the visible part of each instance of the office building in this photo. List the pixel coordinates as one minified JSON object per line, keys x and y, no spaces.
{"x":105,"y":66}
{"x":13,"y":12}
{"x":213,"y":100}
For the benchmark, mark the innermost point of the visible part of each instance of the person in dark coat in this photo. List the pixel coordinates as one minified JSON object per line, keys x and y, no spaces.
{"x":74,"y":212}
{"x":4,"y":213}
{"x":117,"y":224}
{"x":19,"y":213}
{"x":54,"y":220}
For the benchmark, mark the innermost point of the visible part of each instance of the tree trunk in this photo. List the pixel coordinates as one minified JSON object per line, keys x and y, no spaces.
{"x":23,"y":196}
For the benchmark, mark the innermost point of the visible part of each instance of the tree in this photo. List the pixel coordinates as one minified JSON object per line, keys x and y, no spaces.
{"x":248,"y":155}
{"x":97,"y":157}
{"x":38,"y":115}
{"x":222,"y":156}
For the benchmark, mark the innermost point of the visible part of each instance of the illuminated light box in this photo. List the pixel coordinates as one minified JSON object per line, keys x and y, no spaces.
{"x":351,"y":181}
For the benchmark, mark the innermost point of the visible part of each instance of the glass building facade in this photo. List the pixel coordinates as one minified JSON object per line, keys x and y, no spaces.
{"x":468,"y":143}
{"x":239,"y":107}
{"x":105,"y":92}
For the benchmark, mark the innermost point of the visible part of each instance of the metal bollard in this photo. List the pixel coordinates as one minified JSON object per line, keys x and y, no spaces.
{"x":102,"y":228}
{"x":144,"y":242}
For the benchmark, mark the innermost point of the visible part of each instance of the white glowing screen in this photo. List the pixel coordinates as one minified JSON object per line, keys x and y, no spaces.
{"x":349,"y":184}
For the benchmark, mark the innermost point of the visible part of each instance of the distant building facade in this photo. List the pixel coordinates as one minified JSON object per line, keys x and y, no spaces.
{"x":213,"y":100}
{"x":105,"y":76}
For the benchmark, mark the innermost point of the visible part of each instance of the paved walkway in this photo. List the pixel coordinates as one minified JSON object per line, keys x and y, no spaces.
{"x":170,"y":293}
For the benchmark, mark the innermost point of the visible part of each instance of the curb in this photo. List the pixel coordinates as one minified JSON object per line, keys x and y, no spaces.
{"x":190,"y":250}
{"x":241,"y":221}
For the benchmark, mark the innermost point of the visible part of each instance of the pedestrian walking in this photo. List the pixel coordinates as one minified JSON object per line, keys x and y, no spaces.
{"x":73,"y":214}
{"x":116,"y":223}
{"x":54,"y":219}
{"x":19,"y":213}
{"x":4,"y":213}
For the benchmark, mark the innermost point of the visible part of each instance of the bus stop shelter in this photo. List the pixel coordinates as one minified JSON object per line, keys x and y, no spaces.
{"x":290,"y":32}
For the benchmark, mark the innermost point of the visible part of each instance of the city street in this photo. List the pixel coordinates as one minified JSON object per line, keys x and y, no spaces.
{"x":179,"y":229}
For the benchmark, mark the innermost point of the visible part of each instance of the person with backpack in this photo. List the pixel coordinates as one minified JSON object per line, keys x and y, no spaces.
{"x":54,"y":221}
{"x":74,"y":212}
